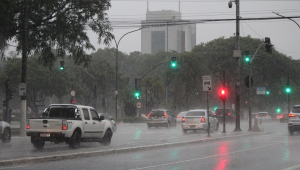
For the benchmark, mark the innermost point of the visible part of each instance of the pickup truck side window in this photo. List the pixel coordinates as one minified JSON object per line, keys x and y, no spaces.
{"x":94,"y":115}
{"x":86,"y":114}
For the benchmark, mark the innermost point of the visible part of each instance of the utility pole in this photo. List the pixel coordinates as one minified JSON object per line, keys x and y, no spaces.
{"x":24,"y":70}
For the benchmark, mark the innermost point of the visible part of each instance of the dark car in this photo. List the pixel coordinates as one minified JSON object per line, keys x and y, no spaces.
{"x":230,"y":115}
{"x":161,"y":117}
{"x":284,"y":117}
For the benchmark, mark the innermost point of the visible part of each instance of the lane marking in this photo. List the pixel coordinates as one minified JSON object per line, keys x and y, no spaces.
{"x":293,"y":167}
{"x":196,"y":159}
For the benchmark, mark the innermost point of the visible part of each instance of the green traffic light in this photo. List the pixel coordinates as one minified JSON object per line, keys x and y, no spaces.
{"x":288,"y":90}
{"x":267,"y":92}
{"x":215,"y":108}
{"x":137,"y":94}
{"x":61,"y":68}
{"x":278,"y":110}
{"x":247,"y":59}
{"x":173,"y":64}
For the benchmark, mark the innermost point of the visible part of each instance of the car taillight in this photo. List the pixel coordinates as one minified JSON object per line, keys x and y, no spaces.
{"x":281,"y":116}
{"x":64,"y":125}
{"x":228,"y":114}
{"x":27,"y":127}
{"x":148,"y":115}
{"x":202,"y":119}
{"x":183,"y":120}
{"x":256,"y":116}
{"x":165,"y":115}
{"x":177,"y":116}
{"x":292,"y":115}
{"x":215,"y":114}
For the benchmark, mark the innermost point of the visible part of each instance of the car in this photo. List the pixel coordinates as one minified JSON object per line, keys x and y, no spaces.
{"x":197,"y":120}
{"x":284,"y":117}
{"x":264,"y":116}
{"x":294,"y":120}
{"x":230,"y":115}
{"x":180,"y":116}
{"x":161,"y":117}
{"x":113,"y":123}
{"x":5,"y":131}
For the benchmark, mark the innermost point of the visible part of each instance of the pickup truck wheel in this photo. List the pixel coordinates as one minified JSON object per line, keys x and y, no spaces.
{"x":38,"y":143}
{"x":6,"y":136}
{"x":74,"y":142}
{"x":107,"y":138}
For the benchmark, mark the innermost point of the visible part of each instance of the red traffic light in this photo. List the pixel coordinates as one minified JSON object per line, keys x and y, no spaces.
{"x":223,"y":93}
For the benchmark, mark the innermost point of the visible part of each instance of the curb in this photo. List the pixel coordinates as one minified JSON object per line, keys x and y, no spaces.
{"x":43,"y":159}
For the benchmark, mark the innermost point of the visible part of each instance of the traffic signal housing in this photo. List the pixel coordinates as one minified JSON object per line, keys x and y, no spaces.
{"x":268,"y":45}
{"x":62,"y":65}
{"x":173,"y":62}
{"x":137,"y":94}
{"x":247,"y":57}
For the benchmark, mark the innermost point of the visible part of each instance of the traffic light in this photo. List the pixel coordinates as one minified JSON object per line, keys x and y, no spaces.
{"x":247,"y":81}
{"x":137,"y":94}
{"x":247,"y":57}
{"x":278,"y":110}
{"x":223,"y":93}
{"x":173,"y":62}
{"x":288,"y":89}
{"x":72,"y":100}
{"x":267,"y":92}
{"x":62,"y":65}
{"x":268,"y":45}
{"x":9,"y":92}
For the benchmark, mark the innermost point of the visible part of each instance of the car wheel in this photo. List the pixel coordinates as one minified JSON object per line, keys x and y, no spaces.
{"x":184,"y":130}
{"x":74,"y":142}
{"x":6,"y":137}
{"x":107,"y":138}
{"x":38,"y":143}
{"x":217,"y":126}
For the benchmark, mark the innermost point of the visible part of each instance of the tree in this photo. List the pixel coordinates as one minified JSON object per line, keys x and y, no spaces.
{"x":57,"y":25}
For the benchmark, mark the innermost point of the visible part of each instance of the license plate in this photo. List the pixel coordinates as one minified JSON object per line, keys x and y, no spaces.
{"x":44,"y":134}
{"x":193,"y":126}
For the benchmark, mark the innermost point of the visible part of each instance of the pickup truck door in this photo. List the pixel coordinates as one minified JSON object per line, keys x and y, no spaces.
{"x":87,"y":124}
{"x":98,"y":126}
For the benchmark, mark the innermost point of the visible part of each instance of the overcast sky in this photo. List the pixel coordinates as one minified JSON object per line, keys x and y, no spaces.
{"x":284,"y":34}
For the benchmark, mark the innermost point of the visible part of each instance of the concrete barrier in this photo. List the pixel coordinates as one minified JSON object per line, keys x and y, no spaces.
{"x":257,"y":126}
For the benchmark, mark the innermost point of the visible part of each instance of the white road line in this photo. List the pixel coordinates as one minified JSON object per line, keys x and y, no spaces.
{"x":293,"y":167}
{"x":189,"y":160}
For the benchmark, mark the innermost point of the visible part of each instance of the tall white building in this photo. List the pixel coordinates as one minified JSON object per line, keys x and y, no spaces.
{"x":166,"y":31}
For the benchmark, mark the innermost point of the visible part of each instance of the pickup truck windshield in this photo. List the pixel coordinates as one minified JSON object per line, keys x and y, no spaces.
{"x":66,"y":113}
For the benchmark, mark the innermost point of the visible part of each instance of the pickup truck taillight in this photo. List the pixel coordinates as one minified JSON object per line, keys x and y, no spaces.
{"x":27,"y":126}
{"x":64,"y":125}
{"x":292,"y":115}
{"x":202,"y":119}
{"x":183,"y":120}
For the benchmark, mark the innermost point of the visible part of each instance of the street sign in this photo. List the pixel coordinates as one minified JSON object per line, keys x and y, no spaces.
{"x":116,"y":92}
{"x":72,"y":93}
{"x":138,"y":105}
{"x":206,"y":81}
{"x":260,"y":90}
{"x":22,"y":89}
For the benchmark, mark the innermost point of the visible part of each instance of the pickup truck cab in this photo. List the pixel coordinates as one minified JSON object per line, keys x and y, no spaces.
{"x":71,"y":124}
{"x":5,"y":131}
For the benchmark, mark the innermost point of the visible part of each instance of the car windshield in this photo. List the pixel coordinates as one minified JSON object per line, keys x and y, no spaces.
{"x":262,"y":114}
{"x":296,"y":110}
{"x":182,"y":113}
{"x":157,"y":113}
{"x":195,"y":113}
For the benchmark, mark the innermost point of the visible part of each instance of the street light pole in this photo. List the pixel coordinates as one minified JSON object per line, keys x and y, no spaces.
{"x":117,"y":52}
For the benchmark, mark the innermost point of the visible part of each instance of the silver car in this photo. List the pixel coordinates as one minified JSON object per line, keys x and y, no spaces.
{"x":180,"y":116}
{"x":197,"y":120}
{"x":5,"y":131}
{"x":161,"y":117}
{"x":264,"y":116}
{"x":294,"y":119}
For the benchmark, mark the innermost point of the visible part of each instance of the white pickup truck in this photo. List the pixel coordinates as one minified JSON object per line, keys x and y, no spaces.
{"x":71,"y":124}
{"x":5,"y":131}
